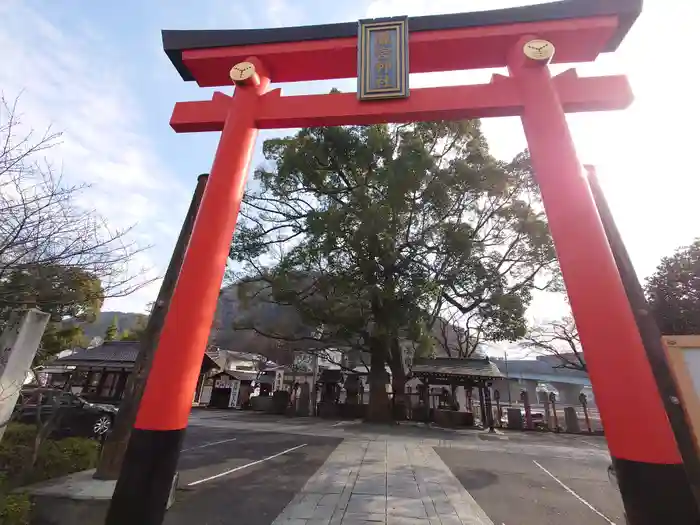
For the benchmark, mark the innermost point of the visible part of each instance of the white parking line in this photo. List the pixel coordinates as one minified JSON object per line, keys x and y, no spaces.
{"x":208,"y":445}
{"x":244,"y":466}
{"x":592,"y":444}
{"x":570,"y":491}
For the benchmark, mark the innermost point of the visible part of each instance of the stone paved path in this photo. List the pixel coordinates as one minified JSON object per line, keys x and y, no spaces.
{"x":374,"y":482}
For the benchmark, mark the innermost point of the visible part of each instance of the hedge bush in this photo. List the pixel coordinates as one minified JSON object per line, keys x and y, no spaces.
{"x":56,"y":458}
{"x":15,"y":509}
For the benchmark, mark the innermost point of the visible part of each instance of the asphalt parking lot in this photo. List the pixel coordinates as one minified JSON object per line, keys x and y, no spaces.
{"x":243,"y":468}
{"x":238,"y":476}
{"x":537,"y":488}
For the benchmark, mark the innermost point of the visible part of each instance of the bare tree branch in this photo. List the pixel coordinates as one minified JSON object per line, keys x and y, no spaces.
{"x":558,"y":339}
{"x":43,"y":224}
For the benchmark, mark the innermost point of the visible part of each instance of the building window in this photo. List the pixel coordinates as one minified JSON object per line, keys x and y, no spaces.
{"x":109,"y":384}
{"x":93,"y":380}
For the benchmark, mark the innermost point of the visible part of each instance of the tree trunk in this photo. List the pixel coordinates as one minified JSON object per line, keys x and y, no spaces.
{"x":455,"y":403}
{"x":398,"y":381}
{"x":378,"y":409}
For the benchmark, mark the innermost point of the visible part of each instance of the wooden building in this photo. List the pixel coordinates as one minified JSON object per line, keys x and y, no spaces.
{"x":99,"y":374}
{"x":234,"y":389}
{"x":449,"y":374}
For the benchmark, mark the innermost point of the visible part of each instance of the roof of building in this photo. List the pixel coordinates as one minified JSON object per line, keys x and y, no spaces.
{"x":109,"y":353}
{"x":448,"y":367}
{"x":112,"y":352}
{"x":246,"y":376}
{"x":175,"y":42}
{"x":539,"y":366}
{"x":225,"y":358}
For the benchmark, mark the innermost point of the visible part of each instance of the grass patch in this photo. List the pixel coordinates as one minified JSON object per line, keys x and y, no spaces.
{"x":55,"y":458}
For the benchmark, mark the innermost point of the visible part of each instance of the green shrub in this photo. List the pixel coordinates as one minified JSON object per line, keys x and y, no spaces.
{"x":15,"y":509}
{"x":56,"y":457}
{"x":16,"y":450}
{"x":19,"y":433}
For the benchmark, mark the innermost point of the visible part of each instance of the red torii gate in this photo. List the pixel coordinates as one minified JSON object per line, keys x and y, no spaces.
{"x":641,"y":441}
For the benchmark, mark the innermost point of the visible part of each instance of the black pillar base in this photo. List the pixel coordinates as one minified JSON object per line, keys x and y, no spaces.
{"x":656,"y":494}
{"x":150,"y":463}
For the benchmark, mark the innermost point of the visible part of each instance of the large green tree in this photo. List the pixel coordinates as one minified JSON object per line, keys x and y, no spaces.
{"x":137,"y":331}
{"x":372,"y":233}
{"x":69,"y":294}
{"x":58,"y":337}
{"x":112,"y":332}
{"x":62,"y":291}
{"x":673,"y":292}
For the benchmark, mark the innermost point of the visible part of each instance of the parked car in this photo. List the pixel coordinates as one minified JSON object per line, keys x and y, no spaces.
{"x":75,"y":416}
{"x":537,"y":418}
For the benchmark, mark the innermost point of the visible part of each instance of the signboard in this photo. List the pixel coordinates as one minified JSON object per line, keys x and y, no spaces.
{"x":279,"y":380}
{"x":235,"y":390}
{"x":683,"y":353}
{"x":382,"y":60}
{"x":303,"y":362}
{"x":223,"y":382}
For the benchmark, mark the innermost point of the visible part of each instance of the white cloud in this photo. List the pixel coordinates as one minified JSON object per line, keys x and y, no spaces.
{"x":72,"y":82}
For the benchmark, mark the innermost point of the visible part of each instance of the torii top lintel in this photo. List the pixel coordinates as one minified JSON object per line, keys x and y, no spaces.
{"x":580,"y":30}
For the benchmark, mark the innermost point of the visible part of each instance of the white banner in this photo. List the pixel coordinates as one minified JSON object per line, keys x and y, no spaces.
{"x":235,"y":390}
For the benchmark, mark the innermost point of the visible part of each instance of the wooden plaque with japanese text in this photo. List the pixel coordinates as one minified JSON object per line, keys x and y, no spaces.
{"x":382,"y":61}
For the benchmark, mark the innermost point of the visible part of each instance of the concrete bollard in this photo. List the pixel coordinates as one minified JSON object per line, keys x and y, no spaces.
{"x":547,"y":414}
{"x":571,"y":420}
{"x":515,"y":419}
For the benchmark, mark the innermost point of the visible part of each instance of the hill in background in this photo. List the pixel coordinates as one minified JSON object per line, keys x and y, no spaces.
{"x":125,"y":321}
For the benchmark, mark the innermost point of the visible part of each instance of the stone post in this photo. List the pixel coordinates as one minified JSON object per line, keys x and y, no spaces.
{"x":553,"y":400}
{"x":571,"y":420}
{"x":584,"y":403}
{"x":18,"y":345}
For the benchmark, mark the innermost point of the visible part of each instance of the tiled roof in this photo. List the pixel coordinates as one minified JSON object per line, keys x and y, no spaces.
{"x":536,"y":366}
{"x":455,"y":367}
{"x":109,"y":352}
{"x":246,"y":376}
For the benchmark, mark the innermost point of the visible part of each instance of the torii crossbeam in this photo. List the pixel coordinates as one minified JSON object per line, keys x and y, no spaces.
{"x":499,"y":98}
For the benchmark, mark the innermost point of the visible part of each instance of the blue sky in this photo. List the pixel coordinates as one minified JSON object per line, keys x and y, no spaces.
{"x":96,"y":71}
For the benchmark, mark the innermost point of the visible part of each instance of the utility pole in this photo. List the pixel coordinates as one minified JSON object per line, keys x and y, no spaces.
{"x":682,"y":505}
{"x":115,"y":446}
{"x":313,"y":387}
{"x":505,"y":355}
